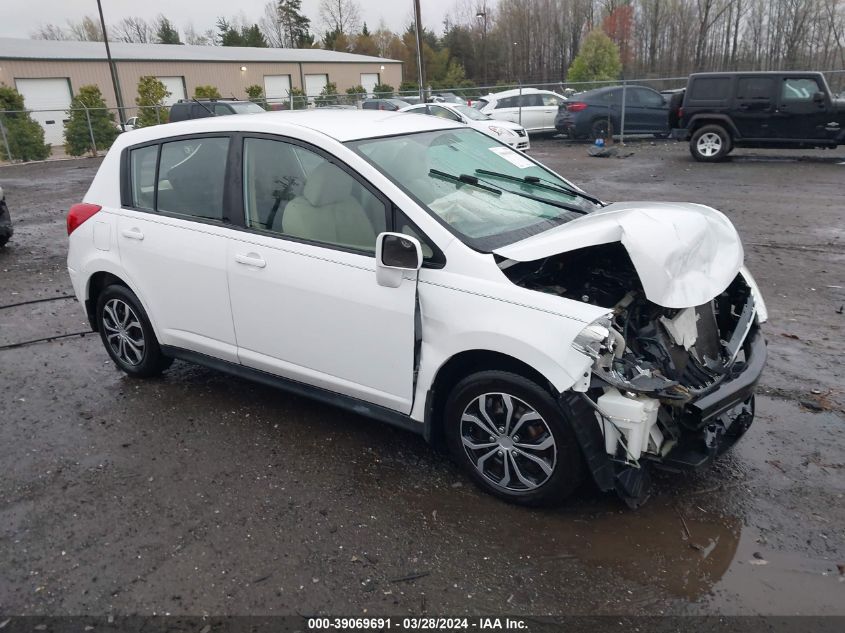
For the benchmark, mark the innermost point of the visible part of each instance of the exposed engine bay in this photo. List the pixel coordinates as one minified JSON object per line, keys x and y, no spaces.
{"x":651,"y":363}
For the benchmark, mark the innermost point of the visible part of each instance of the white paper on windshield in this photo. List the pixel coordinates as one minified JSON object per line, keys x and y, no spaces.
{"x":512,"y":156}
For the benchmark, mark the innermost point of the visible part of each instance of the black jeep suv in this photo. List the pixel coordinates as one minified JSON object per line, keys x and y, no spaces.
{"x":185,"y":109}
{"x":780,"y":110}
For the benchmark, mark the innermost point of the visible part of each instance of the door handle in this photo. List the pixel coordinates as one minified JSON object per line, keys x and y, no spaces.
{"x":133,"y":234}
{"x":251,"y":259}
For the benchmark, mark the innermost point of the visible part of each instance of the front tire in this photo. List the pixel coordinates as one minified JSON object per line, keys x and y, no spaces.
{"x":127,"y":334}
{"x":710,"y":144}
{"x":511,"y":437}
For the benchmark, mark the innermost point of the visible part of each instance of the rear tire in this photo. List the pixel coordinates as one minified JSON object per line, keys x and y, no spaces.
{"x":601,"y":128}
{"x":529,"y":455}
{"x":710,"y":144}
{"x":127,"y":334}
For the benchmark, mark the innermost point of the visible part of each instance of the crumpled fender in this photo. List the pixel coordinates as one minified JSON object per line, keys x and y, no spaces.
{"x":685,"y":254}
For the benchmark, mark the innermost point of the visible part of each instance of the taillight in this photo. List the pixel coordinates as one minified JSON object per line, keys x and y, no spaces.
{"x":576,"y":106}
{"x":79,"y":213}
{"x":681,"y":112}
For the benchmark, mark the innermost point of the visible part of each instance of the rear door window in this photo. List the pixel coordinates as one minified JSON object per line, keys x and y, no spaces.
{"x":507,"y":102}
{"x":191,"y":175}
{"x":755,"y":88}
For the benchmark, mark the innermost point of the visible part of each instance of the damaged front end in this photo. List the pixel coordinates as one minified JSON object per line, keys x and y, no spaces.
{"x":670,"y":387}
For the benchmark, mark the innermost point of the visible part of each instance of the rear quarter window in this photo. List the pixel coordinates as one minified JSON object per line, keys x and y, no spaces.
{"x":708,"y":89}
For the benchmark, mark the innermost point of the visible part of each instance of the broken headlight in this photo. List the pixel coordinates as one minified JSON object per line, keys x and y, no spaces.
{"x":596,"y":339}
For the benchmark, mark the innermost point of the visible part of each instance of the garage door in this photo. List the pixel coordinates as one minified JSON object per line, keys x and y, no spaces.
{"x":314,"y":84}
{"x":277,"y":87}
{"x":175,"y":86}
{"x":52,"y":98}
{"x":369,"y":81}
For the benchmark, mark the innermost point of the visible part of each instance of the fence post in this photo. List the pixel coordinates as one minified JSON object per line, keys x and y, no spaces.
{"x":5,"y":139}
{"x":290,"y":96}
{"x":90,"y":131}
{"x":622,"y":122}
{"x":520,"y":101}
{"x":158,"y":114}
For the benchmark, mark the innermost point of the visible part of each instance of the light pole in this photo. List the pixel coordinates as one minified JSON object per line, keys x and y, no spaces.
{"x":482,"y":13}
{"x":114,"y":78}
{"x":420,"y":74}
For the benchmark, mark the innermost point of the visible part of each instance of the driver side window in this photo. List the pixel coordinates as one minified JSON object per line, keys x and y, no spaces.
{"x":297,"y":193}
{"x":799,"y":89}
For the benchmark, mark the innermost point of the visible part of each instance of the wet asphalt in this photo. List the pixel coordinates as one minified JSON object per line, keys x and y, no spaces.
{"x":202,"y":494}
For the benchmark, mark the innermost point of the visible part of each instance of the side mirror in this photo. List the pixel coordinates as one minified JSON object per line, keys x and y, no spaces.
{"x":818,"y":97}
{"x":396,"y":253}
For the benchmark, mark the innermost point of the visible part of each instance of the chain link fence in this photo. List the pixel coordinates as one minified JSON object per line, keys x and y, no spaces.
{"x":54,"y":121}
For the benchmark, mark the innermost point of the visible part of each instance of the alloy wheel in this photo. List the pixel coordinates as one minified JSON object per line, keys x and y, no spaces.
{"x":124,"y":333}
{"x":709,"y":144}
{"x":508,"y":442}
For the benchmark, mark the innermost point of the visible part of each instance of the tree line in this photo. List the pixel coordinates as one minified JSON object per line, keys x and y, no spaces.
{"x":504,"y":41}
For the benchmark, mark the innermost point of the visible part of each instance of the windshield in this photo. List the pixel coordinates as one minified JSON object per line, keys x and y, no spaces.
{"x":439,"y":168}
{"x":246,"y":108}
{"x":471,"y":113}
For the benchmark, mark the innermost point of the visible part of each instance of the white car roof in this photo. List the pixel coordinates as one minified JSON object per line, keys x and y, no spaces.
{"x":493,"y":96}
{"x":341,"y":125}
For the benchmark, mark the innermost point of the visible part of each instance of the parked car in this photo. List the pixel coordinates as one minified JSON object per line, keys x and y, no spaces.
{"x":512,"y":134}
{"x":129,"y":125}
{"x":447,"y":97}
{"x":384,"y":104}
{"x":186,"y":109}
{"x":419,"y":271}
{"x":776,"y":110}
{"x":598,"y":113}
{"x":534,"y":109}
{"x":6,"y":229}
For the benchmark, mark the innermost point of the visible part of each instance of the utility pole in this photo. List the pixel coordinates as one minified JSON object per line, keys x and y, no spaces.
{"x":114,"y":78}
{"x":482,"y":13}
{"x":420,"y":73}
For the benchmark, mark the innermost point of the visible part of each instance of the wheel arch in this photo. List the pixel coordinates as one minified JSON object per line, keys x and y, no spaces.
{"x":458,"y":367}
{"x":700,"y":120}
{"x":99,"y":281}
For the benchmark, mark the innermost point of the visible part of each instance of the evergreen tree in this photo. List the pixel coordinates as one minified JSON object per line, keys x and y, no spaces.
{"x":165,"y":32}
{"x":150,"y":100}
{"x":88,"y":117}
{"x":598,"y":60}
{"x":25,"y":136}
{"x":294,"y":23}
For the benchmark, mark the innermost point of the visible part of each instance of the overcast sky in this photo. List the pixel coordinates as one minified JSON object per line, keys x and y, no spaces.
{"x":19,"y":18}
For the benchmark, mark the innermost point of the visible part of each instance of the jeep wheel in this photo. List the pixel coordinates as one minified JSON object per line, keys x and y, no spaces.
{"x":710,"y":144}
{"x":512,"y":438}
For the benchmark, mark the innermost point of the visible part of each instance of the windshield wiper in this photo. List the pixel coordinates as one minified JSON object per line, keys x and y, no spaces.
{"x":554,"y":203}
{"x":541,"y":183}
{"x":465,"y":179}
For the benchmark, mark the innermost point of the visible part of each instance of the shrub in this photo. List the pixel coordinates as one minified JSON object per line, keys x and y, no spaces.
{"x":25,"y":136}
{"x":355,"y":94}
{"x":256,"y":95}
{"x":206,"y":92}
{"x":300,"y":100}
{"x":328,"y":95}
{"x":150,"y":100}
{"x":89,"y":118}
{"x":383,"y":91}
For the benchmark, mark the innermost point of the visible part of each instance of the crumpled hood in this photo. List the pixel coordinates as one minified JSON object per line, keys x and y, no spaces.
{"x":685,"y":254}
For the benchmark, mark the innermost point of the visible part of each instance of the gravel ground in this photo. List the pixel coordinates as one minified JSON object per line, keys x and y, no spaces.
{"x":199,"y":493}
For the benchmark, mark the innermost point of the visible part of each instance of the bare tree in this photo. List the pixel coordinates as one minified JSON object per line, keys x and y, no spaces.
{"x":132,"y":30}
{"x":340,"y":16}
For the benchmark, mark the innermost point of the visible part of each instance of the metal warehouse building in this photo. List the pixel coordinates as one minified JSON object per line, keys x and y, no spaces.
{"x":47,"y":73}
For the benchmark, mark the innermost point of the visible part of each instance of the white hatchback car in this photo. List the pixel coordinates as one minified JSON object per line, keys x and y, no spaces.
{"x":420,"y":272}
{"x":512,"y":134}
{"x":534,"y":109}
